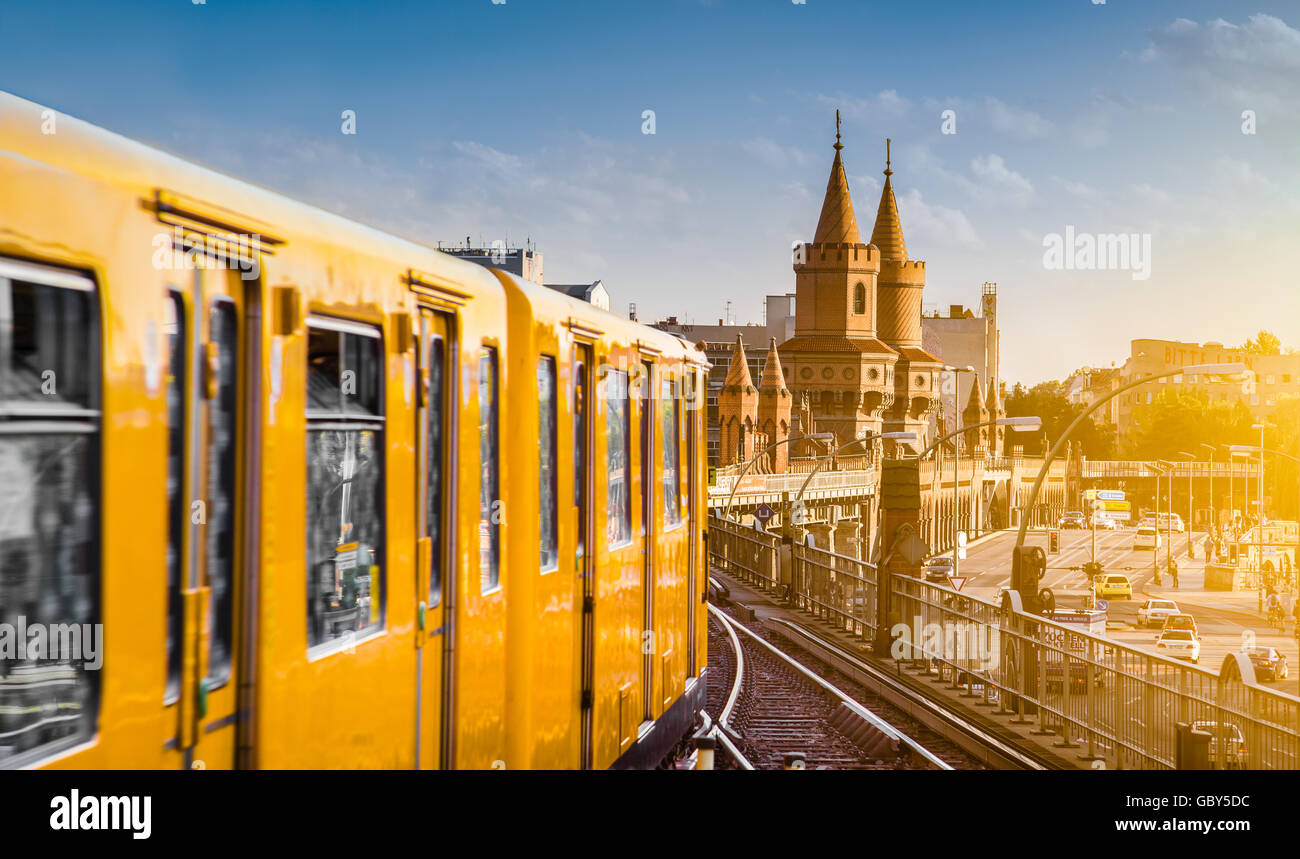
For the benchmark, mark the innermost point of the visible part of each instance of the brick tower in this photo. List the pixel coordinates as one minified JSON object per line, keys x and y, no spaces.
{"x":774,"y":403}
{"x":900,"y":286}
{"x":835,"y":358}
{"x":737,"y":411}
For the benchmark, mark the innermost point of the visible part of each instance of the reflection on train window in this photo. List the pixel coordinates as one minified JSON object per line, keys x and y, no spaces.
{"x":669,"y":441}
{"x":546,"y":429}
{"x":433,"y":466}
{"x":618,"y":430}
{"x":580,"y":449}
{"x":49,"y":562}
{"x":220,"y":550}
{"x":489,"y":498}
{"x":345,"y":482}
{"x":174,"y":329}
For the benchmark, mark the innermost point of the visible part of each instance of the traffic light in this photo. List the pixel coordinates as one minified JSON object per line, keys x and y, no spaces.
{"x":1092,"y":569}
{"x":1028,"y":565}
{"x":1055,"y":542}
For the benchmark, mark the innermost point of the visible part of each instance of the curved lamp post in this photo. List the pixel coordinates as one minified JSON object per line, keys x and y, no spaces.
{"x":820,"y":436}
{"x":1191,"y":369}
{"x":897,"y":436}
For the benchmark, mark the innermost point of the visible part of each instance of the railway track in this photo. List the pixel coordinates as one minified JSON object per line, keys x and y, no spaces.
{"x":952,"y":737}
{"x":773,"y":706}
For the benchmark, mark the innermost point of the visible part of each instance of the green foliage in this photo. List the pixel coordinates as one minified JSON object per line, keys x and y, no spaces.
{"x":1266,"y":343}
{"x":1048,"y":401}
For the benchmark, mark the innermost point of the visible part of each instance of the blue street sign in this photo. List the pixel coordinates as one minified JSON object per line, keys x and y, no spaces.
{"x":763,"y":513}
{"x":1103,"y":605}
{"x":1110,"y":494}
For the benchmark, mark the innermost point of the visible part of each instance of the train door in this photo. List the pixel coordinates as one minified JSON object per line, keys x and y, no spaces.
{"x":209,"y":392}
{"x":648,"y":585}
{"x":433,"y":637}
{"x":582,"y":566}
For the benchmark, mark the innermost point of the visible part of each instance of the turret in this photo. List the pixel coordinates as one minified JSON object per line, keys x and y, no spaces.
{"x":737,"y":410}
{"x":774,"y":404}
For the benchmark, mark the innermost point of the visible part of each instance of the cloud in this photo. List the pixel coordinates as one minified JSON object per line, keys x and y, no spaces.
{"x":1251,"y":65}
{"x":774,"y":154}
{"x":1078,"y":189}
{"x":1004,"y":182}
{"x":1016,"y":121}
{"x":886,"y":103}
{"x":932,"y":225}
{"x":494,"y":160}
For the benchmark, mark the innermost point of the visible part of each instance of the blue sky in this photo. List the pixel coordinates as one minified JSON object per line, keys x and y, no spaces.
{"x":524,"y":119}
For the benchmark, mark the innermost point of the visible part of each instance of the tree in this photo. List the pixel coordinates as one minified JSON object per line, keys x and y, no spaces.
{"x":1047,"y":400}
{"x":1266,"y":343}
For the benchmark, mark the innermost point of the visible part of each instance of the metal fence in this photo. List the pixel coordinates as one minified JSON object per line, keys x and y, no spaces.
{"x":748,"y":553}
{"x":836,"y":588}
{"x":1101,"y":700}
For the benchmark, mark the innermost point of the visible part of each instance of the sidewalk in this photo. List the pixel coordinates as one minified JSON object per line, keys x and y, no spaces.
{"x":1192,"y":591}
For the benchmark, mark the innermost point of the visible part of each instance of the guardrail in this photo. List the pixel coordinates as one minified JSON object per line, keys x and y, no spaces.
{"x":748,"y":553}
{"x":1114,"y":703}
{"x":836,"y":588}
{"x":1112,"y":468}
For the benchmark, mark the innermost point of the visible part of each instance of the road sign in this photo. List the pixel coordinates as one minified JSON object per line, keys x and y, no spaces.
{"x":1117,"y":505}
{"x":1103,"y":605}
{"x":1090,"y":494}
{"x":961,"y":553}
{"x":914,"y":550}
{"x":956,"y":582}
{"x":1110,"y":494}
{"x":764,"y":512}
{"x":961,"y":539}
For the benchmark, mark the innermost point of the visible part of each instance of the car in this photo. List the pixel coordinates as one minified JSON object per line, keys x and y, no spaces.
{"x":1182,"y":620}
{"x":938,"y":569}
{"x":1113,"y":585}
{"x":1179,"y":643}
{"x":1073,"y":519}
{"x":1269,"y":663}
{"x":1225,"y":739}
{"x":1172,"y":522}
{"x":1154,"y":612}
{"x":1146,"y":538}
{"x":1104,"y":522}
{"x":1147,"y":522}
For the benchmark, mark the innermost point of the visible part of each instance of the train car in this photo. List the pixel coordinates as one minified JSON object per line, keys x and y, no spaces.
{"x":280,"y":490}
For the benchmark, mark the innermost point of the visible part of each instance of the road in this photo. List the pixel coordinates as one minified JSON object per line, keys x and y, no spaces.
{"x":1225,"y":621}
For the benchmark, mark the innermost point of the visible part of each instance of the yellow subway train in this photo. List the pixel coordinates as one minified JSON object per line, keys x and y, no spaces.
{"x":279,"y":490}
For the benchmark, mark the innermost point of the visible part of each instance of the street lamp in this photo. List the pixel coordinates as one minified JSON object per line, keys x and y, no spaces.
{"x":865,"y":437}
{"x":1165,"y":467}
{"x":1214,"y":511}
{"x":1230,"y":370}
{"x":1027,"y":423}
{"x":1191,"y":507}
{"x":956,"y":457}
{"x":820,"y":436}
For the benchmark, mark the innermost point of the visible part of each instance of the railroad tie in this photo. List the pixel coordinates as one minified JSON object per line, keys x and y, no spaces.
{"x":864,"y":735}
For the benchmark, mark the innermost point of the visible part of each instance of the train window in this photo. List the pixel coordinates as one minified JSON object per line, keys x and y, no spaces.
{"x":670,"y":441}
{"x":580,"y":447}
{"x":433,"y":463}
{"x":618,"y":431}
{"x":175,"y":329}
{"x":345,"y":481}
{"x":546,"y":492}
{"x":49,"y":501}
{"x":220,"y":550}
{"x":489,"y":498}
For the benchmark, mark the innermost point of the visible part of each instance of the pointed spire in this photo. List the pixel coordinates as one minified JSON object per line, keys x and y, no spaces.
{"x":888,"y":232}
{"x":738,"y":373}
{"x":837,"y":222}
{"x":773,"y":377}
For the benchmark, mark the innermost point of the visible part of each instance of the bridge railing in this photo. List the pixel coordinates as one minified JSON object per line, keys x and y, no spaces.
{"x":836,"y":588}
{"x":1107,"y":701}
{"x":1115,"y":468}
{"x":748,"y":553}
{"x":755,"y":484}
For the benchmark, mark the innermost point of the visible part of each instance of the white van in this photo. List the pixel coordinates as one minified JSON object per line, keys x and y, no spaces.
{"x":1146,"y":538}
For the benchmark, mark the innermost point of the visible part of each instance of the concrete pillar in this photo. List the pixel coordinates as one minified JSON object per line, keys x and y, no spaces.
{"x":900,"y":503}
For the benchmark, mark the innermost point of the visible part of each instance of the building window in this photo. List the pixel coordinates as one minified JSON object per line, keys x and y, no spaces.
{"x":489,"y":496}
{"x":618,"y":430}
{"x":345,"y":481}
{"x":49,"y":510}
{"x":546,"y":431}
{"x":859,"y":299}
